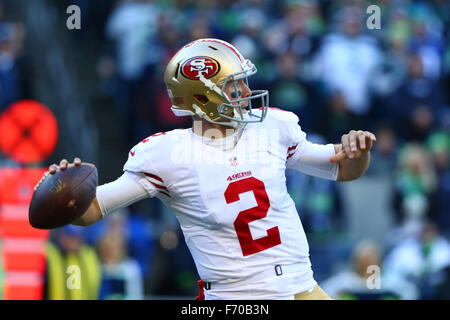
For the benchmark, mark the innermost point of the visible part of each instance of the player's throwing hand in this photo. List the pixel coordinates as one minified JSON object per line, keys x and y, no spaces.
{"x":54,"y":167}
{"x":63,"y":165}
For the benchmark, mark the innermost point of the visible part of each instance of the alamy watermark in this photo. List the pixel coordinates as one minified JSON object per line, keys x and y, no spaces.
{"x":73,"y":22}
{"x":374,"y":20}
{"x":255,"y":146}
{"x":74,"y":279}
{"x":374,"y":280}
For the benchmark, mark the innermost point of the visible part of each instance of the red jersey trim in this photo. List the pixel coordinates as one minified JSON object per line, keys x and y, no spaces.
{"x":166,"y":194}
{"x":154,"y":177}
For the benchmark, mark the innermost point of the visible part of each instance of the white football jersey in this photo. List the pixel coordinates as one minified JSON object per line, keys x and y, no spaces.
{"x":233,"y":206}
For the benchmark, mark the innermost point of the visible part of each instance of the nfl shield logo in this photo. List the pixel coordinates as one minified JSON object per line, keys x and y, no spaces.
{"x":233,"y":161}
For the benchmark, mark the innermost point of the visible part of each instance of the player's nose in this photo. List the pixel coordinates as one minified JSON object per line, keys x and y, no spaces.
{"x":246,"y":91}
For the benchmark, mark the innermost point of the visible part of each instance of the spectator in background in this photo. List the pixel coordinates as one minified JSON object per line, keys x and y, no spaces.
{"x":415,"y":184}
{"x":446,"y":72}
{"x":135,"y":247}
{"x":443,"y":290}
{"x":396,"y":39}
{"x":413,"y":107}
{"x":180,"y":276}
{"x":248,"y":39}
{"x":384,"y":157}
{"x":122,"y":278}
{"x":427,"y":39}
{"x":73,"y":268}
{"x":199,"y":29}
{"x":132,"y":27}
{"x":438,"y":145}
{"x":167,"y":39}
{"x":297,"y":30}
{"x":359,"y":282}
{"x":347,"y":61}
{"x":421,"y":258}
{"x":291,"y":91}
{"x":334,"y":116}
{"x":14,"y":73}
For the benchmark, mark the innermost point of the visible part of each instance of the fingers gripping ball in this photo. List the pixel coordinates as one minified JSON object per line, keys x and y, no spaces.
{"x":63,"y":197}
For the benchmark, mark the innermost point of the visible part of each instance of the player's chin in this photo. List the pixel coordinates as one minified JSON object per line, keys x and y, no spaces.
{"x":241,"y":110}
{"x":244,"y":108}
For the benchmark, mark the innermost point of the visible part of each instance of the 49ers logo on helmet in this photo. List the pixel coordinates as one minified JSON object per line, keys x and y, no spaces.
{"x":200,"y":66}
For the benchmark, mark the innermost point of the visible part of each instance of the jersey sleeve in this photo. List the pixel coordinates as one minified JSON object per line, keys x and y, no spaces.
{"x":314,"y":160}
{"x":303,"y":155}
{"x":146,"y":162}
{"x":120,"y":193}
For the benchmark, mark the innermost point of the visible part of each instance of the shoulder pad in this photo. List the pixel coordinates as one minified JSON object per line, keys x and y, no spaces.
{"x":151,"y":151}
{"x":282,"y":115}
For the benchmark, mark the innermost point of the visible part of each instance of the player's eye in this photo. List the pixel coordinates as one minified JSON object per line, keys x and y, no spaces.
{"x":236,"y":94}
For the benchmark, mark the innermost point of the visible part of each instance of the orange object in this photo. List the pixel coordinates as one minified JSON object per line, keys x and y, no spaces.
{"x":16,"y":191}
{"x":17,"y":184}
{"x":23,"y":255}
{"x":14,"y":223}
{"x":29,"y":132}
{"x":23,"y":247}
{"x":23,"y":286}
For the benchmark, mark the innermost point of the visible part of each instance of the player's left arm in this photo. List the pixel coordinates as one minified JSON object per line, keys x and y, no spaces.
{"x":353,"y":154}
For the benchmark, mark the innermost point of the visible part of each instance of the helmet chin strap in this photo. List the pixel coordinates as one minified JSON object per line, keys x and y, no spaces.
{"x":199,"y":112}
{"x":210,"y":85}
{"x":202,"y":115}
{"x":237,"y":125}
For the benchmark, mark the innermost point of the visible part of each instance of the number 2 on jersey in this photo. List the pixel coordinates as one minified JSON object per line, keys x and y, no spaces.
{"x":248,"y":244}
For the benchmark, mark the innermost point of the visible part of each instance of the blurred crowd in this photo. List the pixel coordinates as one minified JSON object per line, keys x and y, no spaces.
{"x":319,"y":60}
{"x":14,"y":74}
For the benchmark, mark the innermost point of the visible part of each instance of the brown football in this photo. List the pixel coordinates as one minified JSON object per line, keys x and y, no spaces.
{"x":63,"y":197}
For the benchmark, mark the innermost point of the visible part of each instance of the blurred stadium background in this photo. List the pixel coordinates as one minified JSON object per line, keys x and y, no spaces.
{"x":318,"y":59}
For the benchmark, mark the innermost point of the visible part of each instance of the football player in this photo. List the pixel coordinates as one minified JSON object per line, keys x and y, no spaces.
{"x":224,"y":178}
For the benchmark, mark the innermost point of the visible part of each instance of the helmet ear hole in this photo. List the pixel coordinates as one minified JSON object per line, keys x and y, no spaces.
{"x":201,"y":98}
{"x":176,"y":71}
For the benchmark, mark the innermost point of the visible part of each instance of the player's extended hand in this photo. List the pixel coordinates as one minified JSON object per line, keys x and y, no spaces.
{"x":54,"y":167}
{"x":63,"y":165}
{"x":354,"y":144}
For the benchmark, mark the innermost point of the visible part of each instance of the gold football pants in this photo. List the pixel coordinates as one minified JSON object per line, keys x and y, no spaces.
{"x":316,"y":294}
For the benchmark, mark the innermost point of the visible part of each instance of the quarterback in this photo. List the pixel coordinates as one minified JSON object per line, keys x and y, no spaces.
{"x":224,"y":178}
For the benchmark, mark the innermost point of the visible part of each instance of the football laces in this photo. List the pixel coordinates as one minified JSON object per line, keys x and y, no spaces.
{"x":44,"y":177}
